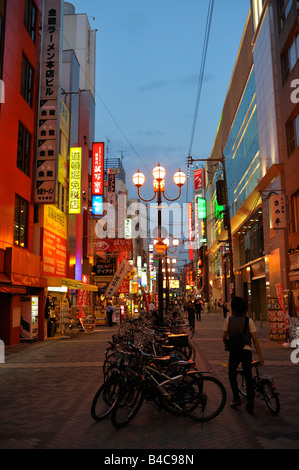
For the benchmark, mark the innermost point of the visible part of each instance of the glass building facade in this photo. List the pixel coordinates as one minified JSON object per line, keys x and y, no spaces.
{"x":242,"y":150}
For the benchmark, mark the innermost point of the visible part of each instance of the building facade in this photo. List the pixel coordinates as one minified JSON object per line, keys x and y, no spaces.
{"x":257,"y":137}
{"x":20,"y":268}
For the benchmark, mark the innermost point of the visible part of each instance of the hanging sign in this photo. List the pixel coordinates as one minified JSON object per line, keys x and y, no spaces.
{"x":49,"y":106}
{"x":118,"y":278}
{"x":97,"y":185}
{"x":278,"y":212}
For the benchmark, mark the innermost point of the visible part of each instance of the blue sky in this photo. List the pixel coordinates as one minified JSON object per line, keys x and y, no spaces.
{"x":148,"y":62}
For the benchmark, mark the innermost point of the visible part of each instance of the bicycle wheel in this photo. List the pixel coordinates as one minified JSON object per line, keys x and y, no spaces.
{"x":128,"y":404}
{"x":209,"y":400}
{"x":105,"y":398}
{"x":188,"y":330}
{"x":270,"y":396}
{"x":241,"y":383}
{"x":182,"y":394}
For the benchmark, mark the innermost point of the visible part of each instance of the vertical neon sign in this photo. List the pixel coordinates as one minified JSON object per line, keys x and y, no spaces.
{"x":97,"y":186}
{"x":75,"y":181}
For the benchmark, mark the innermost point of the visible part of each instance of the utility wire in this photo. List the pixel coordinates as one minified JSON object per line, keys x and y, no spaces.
{"x":202,"y":69}
{"x":200,"y":81}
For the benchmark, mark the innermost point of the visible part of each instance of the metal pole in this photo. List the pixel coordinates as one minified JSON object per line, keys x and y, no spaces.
{"x":167,"y":280}
{"x":160,"y":274}
{"x":229,"y":230}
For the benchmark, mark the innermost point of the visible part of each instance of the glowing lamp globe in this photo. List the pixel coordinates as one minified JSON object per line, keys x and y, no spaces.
{"x":138,"y":179}
{"x":180,"y":178}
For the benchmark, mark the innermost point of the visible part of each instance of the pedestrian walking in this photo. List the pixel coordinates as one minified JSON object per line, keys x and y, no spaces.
{"x":236,"y":326}
{"x":197,"y":305}
{"x":109,"y":312}
{"x":191,"y":314}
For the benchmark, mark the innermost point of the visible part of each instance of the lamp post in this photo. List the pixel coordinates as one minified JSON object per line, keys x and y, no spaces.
{"x":159,"y":174}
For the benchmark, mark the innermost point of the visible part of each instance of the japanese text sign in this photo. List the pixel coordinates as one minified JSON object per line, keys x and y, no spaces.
{"x":278,"y":212}
{"x":75,"y":181}
{"x":97,"y":187}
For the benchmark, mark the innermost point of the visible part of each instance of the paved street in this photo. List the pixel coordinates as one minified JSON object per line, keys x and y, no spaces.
{"x":47,"y":389}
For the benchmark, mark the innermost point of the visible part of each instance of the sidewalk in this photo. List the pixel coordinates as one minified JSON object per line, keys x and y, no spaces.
{"x":47,"y":389}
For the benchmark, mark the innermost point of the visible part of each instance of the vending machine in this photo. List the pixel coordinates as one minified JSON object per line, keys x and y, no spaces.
{"x":29,"y":317}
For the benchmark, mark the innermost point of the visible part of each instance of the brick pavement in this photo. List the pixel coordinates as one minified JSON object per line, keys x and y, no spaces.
{"x":47,"y":389}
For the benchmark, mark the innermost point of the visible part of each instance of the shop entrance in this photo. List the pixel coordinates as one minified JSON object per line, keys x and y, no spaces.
{"x":258,"y":298}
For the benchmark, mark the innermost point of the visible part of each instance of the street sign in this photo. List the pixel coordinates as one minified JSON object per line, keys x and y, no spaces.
{"x":160,"y":247}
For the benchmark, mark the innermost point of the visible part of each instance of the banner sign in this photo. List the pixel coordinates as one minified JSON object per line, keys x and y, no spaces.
{"x":199,"y":179}
{"x":54,"y":242}
{"x":97,"y":185}
{"x":118,"y":278}
{"x":49,"y":109}
{"x":278,"y":212}
{"x":75,"y":181}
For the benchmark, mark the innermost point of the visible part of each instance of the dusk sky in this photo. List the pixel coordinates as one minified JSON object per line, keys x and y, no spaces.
{"x":148,"y":61}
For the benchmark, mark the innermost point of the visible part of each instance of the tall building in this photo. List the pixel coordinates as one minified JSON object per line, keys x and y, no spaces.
{"x":257,"y":136}
{"x":20,"y":267}
{"x":49,"y":109}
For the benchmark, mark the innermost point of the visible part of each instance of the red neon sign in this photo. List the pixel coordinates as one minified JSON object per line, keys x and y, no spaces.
{"x":97,"y":186}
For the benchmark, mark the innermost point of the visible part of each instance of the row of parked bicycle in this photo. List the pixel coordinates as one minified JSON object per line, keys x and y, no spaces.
{"x":150,"y":363}
{"x":157,"y":363}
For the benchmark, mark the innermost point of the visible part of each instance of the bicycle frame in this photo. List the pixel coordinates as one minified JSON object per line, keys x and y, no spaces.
{"x":159,"y":386}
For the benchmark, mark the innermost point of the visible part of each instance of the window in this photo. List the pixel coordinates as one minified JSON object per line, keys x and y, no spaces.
{"x":292,"y":131}
{"x":290,"y":57}
{"x":284,"y":9}
{"x":24,"y":145}
{"x":251,"y":239}
{"x":30,"y":18}
{"x":295,"y":212}
{"x":21,"y":222}
{"x":27,"y":81}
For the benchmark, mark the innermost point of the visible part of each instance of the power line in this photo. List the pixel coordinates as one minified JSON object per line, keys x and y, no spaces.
{"x":202,"y":69}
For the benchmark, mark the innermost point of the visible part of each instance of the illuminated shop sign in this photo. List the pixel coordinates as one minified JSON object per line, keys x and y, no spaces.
{"x":97,"y":186}
{"x":75,"y":180}
{"x":201,"y":208}
{"x":97,"y":205}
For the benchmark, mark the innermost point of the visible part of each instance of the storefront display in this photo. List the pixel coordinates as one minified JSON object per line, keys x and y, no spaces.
{"x":29,"y":317}
{"x":275,"y":320}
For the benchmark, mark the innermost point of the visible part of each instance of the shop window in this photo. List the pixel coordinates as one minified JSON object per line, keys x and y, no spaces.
{"x":251,"y":239}
{"x":21,"y":222}
{"x":30,"y":16}
{"x":292,"y":133}
{"x":27,"y":81}
{"x":295,"y":212}
{"x":24,"y":149}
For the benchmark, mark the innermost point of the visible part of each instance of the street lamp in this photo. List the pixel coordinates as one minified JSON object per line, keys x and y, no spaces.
{"x":159,"y":174}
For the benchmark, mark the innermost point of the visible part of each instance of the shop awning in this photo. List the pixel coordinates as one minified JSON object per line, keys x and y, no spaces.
{"x":70,"y":284}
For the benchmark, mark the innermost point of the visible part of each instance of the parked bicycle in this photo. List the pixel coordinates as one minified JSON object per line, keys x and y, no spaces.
{"x":263,"y":386}
{"x":190,"y":393}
